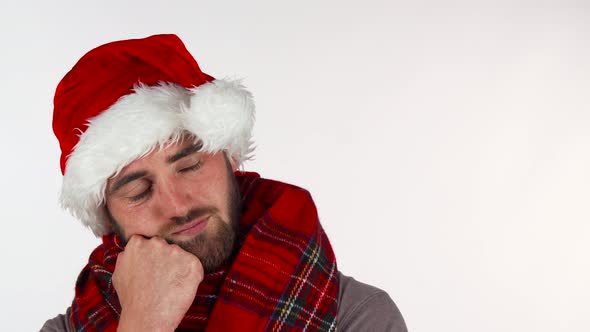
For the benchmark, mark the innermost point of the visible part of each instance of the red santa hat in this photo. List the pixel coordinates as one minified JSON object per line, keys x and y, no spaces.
{"x":123,"y":99}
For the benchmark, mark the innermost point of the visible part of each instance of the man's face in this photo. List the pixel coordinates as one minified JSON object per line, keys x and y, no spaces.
{"x":180,"y":194}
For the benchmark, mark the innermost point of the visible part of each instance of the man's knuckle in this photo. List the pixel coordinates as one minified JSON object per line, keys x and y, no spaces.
{"x":135,"y":241}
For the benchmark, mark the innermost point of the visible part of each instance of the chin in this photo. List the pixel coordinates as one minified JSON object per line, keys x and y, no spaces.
{"x":213,"y":247}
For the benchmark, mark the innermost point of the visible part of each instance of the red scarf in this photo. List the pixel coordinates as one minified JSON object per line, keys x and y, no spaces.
{"x":284,"y":277}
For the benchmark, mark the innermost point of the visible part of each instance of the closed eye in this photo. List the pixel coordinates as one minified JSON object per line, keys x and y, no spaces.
{"x":191,"y":168}
{"x":143,"y":195}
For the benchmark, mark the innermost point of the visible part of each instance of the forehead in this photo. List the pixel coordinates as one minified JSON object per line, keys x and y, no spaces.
{"x":167,"y":153}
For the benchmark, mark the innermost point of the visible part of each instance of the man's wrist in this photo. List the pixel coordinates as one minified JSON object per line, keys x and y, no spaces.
{"x":129,"y":322}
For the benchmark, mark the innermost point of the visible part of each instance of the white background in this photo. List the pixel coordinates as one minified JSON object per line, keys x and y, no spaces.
{"x":447,"y":144}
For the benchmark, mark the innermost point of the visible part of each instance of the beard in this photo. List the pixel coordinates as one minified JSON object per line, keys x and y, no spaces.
{"x":215,"y":245}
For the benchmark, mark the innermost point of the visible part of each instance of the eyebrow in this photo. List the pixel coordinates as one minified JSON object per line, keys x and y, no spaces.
{"x":193,"y":148}
{"x":126,"y":179}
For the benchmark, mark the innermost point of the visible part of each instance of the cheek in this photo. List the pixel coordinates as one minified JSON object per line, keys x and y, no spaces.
{"x":203,"y":193}
{"x":211,"y":187}
{"x":132,"y":220}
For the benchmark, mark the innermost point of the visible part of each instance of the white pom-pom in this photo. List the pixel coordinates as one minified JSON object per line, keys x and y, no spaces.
{"x":221,"y":113}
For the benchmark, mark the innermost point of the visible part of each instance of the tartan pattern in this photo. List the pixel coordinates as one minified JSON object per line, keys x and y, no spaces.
{"x":96,"y":278}
{"x":284,"y":277}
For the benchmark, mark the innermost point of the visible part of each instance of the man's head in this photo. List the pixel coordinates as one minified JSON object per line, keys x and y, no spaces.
{"x":129,"y":103}
{"x":182,"y":195}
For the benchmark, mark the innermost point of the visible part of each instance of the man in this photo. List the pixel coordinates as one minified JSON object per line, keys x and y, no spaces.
{"x":151,"y":150}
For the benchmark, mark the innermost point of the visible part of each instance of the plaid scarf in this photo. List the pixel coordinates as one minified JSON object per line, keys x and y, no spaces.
{"x":284,"y":277}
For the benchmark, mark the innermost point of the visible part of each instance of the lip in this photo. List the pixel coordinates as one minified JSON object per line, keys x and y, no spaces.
{"x":193,"y":228}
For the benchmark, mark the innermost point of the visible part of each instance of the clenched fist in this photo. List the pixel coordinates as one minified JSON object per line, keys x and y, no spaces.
{"x":156,"y":283}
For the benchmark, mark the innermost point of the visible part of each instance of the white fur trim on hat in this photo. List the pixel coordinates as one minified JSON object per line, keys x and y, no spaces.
{"x":219,"y":113}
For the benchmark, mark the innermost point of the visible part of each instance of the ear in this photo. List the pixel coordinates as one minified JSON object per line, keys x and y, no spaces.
{"x":234,"y":164}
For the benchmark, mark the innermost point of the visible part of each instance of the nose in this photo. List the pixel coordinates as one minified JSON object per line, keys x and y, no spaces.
{"x":173,"y":199}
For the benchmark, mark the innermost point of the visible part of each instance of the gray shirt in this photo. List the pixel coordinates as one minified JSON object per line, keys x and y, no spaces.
{"x":361,"y":308}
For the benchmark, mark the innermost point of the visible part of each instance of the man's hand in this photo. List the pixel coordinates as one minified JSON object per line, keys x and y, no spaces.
{"x":156,"y":283}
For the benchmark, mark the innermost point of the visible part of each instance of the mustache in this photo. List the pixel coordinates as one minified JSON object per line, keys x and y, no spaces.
{"x":194,"y":213}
